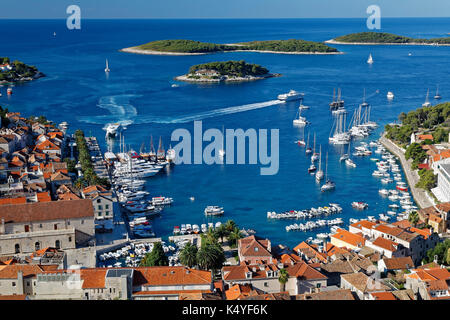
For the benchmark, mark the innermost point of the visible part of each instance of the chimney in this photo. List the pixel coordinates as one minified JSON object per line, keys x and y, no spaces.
{"x":2,"y":226}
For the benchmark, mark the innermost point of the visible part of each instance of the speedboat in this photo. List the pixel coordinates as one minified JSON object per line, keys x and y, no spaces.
{"x":292,"y":95}
{"x":390,"y":95}
{"x":111,"y":128}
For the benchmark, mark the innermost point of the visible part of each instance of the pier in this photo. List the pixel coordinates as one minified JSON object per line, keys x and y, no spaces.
{"x":420,"y":196}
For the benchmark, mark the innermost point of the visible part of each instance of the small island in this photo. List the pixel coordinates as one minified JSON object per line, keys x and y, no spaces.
{"x":190,"y":47}
{"x":17,"y":71}
{"x":226,"y":71}
{"x":378,"y":38}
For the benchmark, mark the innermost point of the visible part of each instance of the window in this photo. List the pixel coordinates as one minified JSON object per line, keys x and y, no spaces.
{"x":266,"y":284}
{"x":99,"y":200}
{"x":107,"y":213}
{"x":100,"y":208}
{"x":70,"y":239}
{"x":106,"y":206}
{"x":318,"y":285}
{"x":17,"y":248}
{"x":99,"y":214}
{"x":40,"y":225}
{"x":57,"y":244}
{"x":27,"y":228}
{"x":55,"y":226}
{"x":68,"y":222}
{"x":82,"y":221}
{"x":37,"y":246}
{"x":13,"y":284}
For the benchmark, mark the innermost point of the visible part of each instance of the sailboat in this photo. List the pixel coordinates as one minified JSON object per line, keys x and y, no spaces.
{"x":107,"y":66}
{"x":152,"y":153}
{"x":345,"y":155}
{"x":308,"y":148}
{"x":301,"y":141}
{"x":315,"y":156}
{"x":161,"y":153}
{"x":349,"y":162}
{"x":299,"y":120}
{"x":437,"y":96}
{"x":427,"y":103}
{"x":329,"y":184}
{"x":222,"y":150}
{"x":370,"y":60}
{"x":319,"y":173}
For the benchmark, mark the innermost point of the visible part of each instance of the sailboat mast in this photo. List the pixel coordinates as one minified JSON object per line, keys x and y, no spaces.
{"x":314,"y":147}
{"x":326,"y":167}
{"x":320,"y":157}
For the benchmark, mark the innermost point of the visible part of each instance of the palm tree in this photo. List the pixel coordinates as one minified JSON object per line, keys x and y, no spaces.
{"x":230,"y":225}
{"x":188,"y":255}
{"x":221,"y":232}
{"x":210,"y":256}
{"x":234,"y":236}
{"x":283,"y":279}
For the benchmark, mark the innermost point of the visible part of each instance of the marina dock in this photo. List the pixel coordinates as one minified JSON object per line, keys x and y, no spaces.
{"x":420,"y":196}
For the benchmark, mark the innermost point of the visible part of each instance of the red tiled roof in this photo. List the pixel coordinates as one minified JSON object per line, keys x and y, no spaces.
{"x":350,"y":238}
{"x":42,"y":211}
{"x":383,"y":295}
{"x":385,"y":244}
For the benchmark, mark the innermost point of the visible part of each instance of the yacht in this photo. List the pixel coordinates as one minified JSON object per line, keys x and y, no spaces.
{"x":308,"y":148}
{"x":214,"y":211}
{"x":427,"y":103}
{"x":111,"y":128}
{"x":299,"y":120}
{"x":292,"y":95}
{"x":302,"y":107}
{"x":107,"y":66}
{"x":9,"y":91}
{"x":315,"y":156}
{"x":370,"y":60}
{"x":312,"y":168}
{"x":359,"y":205}
{"x":336,"y":103}
{"x":340,"y":136}
{"x":390,"y":95}
{"x":437,"y":96}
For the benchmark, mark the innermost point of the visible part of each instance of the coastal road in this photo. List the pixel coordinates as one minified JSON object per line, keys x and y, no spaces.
{"x":419,"y":195}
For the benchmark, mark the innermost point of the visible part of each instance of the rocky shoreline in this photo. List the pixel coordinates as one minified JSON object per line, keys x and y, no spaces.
{"x":225,"y":78}
{"x":332,"y":41}
{"x":162,"y":53}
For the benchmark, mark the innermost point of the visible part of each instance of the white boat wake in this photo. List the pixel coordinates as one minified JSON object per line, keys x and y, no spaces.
{"x":208,"y":114}
{"x":125,"y":113}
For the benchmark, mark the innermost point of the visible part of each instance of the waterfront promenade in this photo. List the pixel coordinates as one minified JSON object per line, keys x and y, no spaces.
{"x":419,"y":195}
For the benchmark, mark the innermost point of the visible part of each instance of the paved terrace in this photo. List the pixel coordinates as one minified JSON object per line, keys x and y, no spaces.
{"x":421,"y":197}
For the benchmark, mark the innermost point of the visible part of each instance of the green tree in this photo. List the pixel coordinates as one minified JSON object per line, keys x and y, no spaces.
{"x":440,"y":251}
{"x":283,"y":278}
{"x":234,"y":237}
{"x":188,"y":255}
{"x":413,"y":218}
{"x":221,"y":232}
{"x":427,"y":179}
{"x":211,"y":257}
{"x":156,"y":257}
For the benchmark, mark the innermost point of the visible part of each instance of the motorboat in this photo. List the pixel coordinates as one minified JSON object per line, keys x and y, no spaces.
{"x":349,"y":162}
{"x":292,"y":95}
{"x":214,"y":211}
{"x":359,"y":205}
{"x":299,"y":120}
{"x":111,"y":128}
{"x":390,"y":95}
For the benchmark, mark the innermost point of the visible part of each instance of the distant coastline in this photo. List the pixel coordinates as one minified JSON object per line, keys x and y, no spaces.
{"x":332,"y":41}
{"x":190,"y":47}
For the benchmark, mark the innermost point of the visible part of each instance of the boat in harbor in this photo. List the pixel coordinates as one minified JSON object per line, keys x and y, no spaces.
{"x":359,"y":205}
{"x":312,"y":168}
{"x":308,"y":149}
{"x":214,"y":211}
{"x":9,"y":91}
{"x":292,"y":95}
{"x":336,"y":103}
{"x":315,"y":156}
{"x":390,"y":95}
{"x":107,"y":67}
{"x":437,"y":96}
{"x":299,"y":120}
{"x":319,"y":173}
{"x":427,"y":103}
{"x":112,"y":128}
{"x":339,"y":135}
{"x":329,"y":184}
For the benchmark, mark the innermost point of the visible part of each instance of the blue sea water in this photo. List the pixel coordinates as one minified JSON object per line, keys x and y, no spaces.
{"x":138,"y":92}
